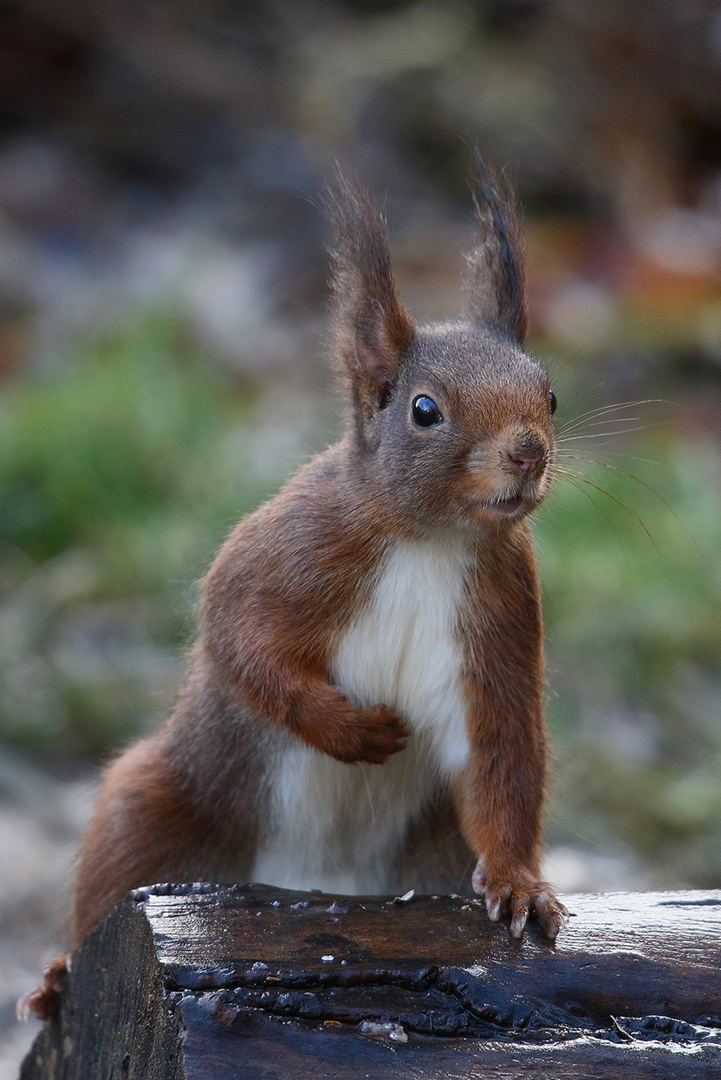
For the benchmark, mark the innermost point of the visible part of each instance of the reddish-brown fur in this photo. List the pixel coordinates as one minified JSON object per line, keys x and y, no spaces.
{"x":187,"y":802}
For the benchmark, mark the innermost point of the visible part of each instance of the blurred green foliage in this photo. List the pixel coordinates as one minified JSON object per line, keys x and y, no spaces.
{"x":122,"y":470}
{"x":119,"y":473}
{"x":632,"y":601}
{"x":129,"y":434}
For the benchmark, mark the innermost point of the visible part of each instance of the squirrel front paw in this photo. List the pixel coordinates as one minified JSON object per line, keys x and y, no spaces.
{"x":350,"y":734}
{"x":380,"y":732}
{"x":518,"y":896}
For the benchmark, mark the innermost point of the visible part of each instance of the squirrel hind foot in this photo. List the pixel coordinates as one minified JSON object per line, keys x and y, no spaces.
{"x":43,"y":1001}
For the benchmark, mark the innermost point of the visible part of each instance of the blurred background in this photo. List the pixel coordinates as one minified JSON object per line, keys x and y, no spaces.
{"x":163,"y":346}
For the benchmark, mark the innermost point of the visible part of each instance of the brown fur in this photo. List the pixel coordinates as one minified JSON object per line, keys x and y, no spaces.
{"x":497,"y":261}
{"x":188,"y":802}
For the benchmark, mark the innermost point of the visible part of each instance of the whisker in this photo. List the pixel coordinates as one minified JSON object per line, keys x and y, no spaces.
{"x":656,"y":494}
{"x":594,"y":421}
{"x":597,"y":421}
{"x":610,"y":433}
{"x":583,"y":394}
{"x":619,"y":502}
{"x":632,"y":403}
{"x":599,"y":410}
{"x":570,"y":430}
{"x":577,"y":482}
{"x":630,"y":457}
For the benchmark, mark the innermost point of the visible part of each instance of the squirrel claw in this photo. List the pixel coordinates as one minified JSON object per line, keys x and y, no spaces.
{"x":518,"y":904}
{"x":550,"y":912}
{"x":519,"y":917}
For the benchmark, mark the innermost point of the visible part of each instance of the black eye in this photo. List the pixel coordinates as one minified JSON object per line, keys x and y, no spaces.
{"x":425,"y":412}
{"x":554,"y":403}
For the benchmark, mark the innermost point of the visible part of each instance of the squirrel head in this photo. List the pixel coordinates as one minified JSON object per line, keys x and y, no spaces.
{"x":453,"y":422}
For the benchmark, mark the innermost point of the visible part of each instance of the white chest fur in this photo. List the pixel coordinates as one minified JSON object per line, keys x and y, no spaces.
{"x":336,"y":826}
{"x":404,"y":652}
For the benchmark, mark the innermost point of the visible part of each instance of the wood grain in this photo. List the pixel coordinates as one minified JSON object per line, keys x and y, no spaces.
{"x":206,"y":981}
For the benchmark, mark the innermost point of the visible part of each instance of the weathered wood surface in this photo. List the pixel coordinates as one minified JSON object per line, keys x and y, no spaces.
{"x":239,"y":982}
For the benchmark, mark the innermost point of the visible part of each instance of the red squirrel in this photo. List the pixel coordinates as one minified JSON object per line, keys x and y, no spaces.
{"x":363,"y":709}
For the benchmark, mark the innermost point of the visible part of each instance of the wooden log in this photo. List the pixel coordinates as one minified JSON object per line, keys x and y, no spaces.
{"x":217,"y":982}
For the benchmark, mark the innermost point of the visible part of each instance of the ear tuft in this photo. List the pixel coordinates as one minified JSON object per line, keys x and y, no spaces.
{"x":496,"y":280}
{"x":373,"y":330}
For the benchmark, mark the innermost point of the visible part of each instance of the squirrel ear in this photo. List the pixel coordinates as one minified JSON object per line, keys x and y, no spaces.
{"x":373,"y":329}
{"x":496,"y":279}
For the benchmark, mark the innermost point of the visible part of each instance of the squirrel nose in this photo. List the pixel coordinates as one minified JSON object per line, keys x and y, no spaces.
{"x":527,"y":464}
